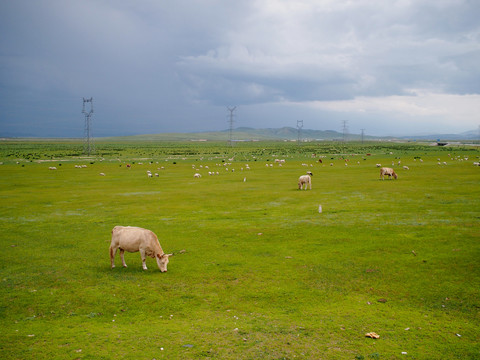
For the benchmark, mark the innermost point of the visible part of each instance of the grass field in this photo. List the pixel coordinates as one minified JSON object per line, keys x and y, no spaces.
{"x":258,"y":271}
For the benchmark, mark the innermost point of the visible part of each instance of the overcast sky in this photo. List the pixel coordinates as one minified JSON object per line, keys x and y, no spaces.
{"x":392,"y":67}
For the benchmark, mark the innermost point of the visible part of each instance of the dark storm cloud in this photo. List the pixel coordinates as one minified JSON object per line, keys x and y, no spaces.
{"x":174,"y":66}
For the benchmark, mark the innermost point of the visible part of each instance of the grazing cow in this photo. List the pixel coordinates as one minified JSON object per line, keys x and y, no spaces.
{"x":387,"y":171}
{"x":304,"y":180}
{"x":133,"y":239}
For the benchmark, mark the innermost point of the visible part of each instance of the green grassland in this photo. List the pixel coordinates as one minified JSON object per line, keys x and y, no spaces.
{"x":258,"y":271}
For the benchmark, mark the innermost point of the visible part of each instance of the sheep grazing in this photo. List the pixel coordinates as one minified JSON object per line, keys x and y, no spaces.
{"x":304,"y":180}
{"x":406,"y":168}
{"x":133,"y":239}
{"x":387,"y":171}
{"x":197,"y":175}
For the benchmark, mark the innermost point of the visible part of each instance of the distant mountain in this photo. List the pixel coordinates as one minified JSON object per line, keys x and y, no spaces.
{"x":286,"y":134}
{"x":467,"y":135}
{"x":244,"y":134}
{"x":289,"y":133}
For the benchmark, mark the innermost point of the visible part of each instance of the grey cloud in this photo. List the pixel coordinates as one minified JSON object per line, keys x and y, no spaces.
{"x":156,"y":66}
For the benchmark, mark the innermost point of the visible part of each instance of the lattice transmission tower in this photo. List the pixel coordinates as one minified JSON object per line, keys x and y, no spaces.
{"x":88,"y":145}
{"x":299,"y":130}
{"x":345,"y":130}
{"x":230,"y":121}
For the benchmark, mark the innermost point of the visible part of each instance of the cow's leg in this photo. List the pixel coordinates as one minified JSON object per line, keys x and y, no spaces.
{"x":122,"y":253}
{"x":142,"y":254}
{"x":113,"y":252}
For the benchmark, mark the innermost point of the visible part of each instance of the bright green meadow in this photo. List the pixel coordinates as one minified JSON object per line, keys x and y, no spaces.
{"x":258,"y":271}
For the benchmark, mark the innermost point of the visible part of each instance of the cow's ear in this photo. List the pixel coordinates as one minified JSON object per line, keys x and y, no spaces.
{"x":169,"y":255}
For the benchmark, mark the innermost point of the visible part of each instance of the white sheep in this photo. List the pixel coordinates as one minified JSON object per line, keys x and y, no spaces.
{"x":304,"y":180}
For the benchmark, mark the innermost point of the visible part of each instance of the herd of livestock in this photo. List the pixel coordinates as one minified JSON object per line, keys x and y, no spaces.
{"x":135,"y":239}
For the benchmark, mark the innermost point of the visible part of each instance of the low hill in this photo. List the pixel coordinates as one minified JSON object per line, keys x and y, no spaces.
{"x":244,"y":134}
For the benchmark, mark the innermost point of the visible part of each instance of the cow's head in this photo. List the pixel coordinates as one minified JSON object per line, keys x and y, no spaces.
{"x":394,"y":175}
{"x":162,"y":261}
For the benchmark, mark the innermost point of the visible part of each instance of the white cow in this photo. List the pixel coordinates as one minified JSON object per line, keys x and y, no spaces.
{"x":304,"y":180}
{"x":133,"y":239}
{"x":387,"y":171}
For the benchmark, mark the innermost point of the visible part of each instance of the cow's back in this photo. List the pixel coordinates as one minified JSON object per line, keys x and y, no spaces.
{"x":130,"y":238}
